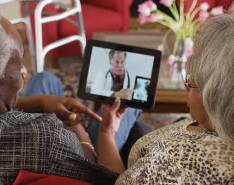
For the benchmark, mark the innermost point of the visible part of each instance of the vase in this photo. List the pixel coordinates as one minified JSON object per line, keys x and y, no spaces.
{"x":179,"y":65}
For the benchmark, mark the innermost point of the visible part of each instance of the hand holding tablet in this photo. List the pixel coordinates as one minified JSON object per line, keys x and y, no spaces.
{"x":124,"y":94}
{"x":112,"y":70}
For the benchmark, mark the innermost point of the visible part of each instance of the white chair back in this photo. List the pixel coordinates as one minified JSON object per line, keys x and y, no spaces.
{"x":26,"y":21}
{"x":41,"y":50}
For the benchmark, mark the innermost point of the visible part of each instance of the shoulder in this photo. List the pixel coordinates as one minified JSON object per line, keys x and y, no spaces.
{"x":39,"y":129}
{"x":15,"y":119}
{"x":172,"y":152}
{"x":167,"y":131}
{"x":104,"y":73}
{"x":30,"y":131}
{"x":36,"y":127}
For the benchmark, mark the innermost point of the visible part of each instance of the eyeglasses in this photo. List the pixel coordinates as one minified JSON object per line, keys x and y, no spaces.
{"x":188,"y":82}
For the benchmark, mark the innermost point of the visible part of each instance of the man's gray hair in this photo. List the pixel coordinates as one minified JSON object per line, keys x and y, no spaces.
{"x":7,"y":47}
{"x":212,"y":68}
{"x":112,"y":52}
{"x":5,"y":51}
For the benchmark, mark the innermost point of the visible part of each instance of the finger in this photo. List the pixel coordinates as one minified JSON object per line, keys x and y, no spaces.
{"x":79,"y":107}
{"x":64,"y":114}
{"x":93,"y":114}
{"x":79,"y":120}
{"x":116,"y":104}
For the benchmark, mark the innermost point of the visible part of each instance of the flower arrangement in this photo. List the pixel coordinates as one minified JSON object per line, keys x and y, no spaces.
{"x":183,"y":24}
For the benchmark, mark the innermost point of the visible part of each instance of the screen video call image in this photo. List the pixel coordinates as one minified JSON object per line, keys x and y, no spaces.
{"x":114,"y":73}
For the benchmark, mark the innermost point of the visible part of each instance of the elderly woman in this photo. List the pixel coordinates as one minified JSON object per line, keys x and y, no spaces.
{"x":194,"y":151}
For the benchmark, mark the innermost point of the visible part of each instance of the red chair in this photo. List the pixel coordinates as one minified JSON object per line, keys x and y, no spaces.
{"x":98,"y":16}
{"x":28,"y":178}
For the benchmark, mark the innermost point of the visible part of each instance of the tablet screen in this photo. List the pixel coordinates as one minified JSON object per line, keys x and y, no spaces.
{"x":110,"y":70}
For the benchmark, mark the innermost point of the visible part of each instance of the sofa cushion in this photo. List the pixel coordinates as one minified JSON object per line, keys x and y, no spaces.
{"x":101,"y":19}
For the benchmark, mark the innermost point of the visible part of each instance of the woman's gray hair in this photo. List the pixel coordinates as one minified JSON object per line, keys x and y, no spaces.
{"x":212,"y":68}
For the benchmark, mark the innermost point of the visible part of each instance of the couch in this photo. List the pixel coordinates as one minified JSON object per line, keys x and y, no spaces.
{"x":98,"y":16}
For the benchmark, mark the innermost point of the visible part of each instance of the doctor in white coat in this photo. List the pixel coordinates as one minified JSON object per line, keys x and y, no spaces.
{"x":116,"y":81}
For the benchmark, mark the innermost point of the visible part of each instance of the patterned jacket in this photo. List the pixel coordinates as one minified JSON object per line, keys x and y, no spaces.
{"x":39,"y":143}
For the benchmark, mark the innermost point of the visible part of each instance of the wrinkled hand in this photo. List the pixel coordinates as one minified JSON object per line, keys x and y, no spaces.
{"x":111,"y":117}
{"x":69,"y":110}
{"x":124,"y":94}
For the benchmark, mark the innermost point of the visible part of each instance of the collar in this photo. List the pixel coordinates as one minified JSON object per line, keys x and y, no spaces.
{"x":121,"y":76}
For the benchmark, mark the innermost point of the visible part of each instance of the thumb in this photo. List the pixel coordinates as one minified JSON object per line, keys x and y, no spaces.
{"x":65,"y":114}
{"x":116,"y":104}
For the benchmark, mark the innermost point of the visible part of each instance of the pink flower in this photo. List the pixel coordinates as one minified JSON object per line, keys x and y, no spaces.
{"x":147,"y":7}
{"x":204,"y":6}
{"x":153,"y":17}
{"x":152,"y":6}
{"x":166,"y":3}
{"x":143,"y":9}
{"x":217,"y":10}
{"x":203,"y":15}
{"x":142,"y":18}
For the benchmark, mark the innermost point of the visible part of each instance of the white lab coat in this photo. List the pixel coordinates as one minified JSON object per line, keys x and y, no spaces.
{"x":103,"y":83}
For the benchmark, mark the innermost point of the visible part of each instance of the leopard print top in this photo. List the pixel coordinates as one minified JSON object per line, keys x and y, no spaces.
{"x":173,"y":155}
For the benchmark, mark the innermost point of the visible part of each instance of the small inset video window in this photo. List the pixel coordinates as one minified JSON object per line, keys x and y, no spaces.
{"x":141,"y":88}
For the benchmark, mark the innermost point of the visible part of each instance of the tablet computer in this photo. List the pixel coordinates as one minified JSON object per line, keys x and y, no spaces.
{"x":112,"y":69}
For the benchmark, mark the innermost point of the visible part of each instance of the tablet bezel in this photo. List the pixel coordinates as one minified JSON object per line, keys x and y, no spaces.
{"x":149,"y":104}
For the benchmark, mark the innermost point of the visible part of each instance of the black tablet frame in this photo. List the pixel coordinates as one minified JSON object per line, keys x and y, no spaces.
{"x":149,"y":104}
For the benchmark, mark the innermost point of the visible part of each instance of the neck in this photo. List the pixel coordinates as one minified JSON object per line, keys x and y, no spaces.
{"x":4,"y":107}
{"x":198,"y":127}
{"x":7,"y":100}
{"x":118,"y":74}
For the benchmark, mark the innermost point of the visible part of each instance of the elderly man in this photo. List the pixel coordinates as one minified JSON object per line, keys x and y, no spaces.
{"x":34,"y":141}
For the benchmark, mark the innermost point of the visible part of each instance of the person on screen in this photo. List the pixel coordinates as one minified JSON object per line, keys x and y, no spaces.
{"x":116,"y":81}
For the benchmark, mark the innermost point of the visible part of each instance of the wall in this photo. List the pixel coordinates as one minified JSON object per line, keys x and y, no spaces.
{"x":10,"y":10}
